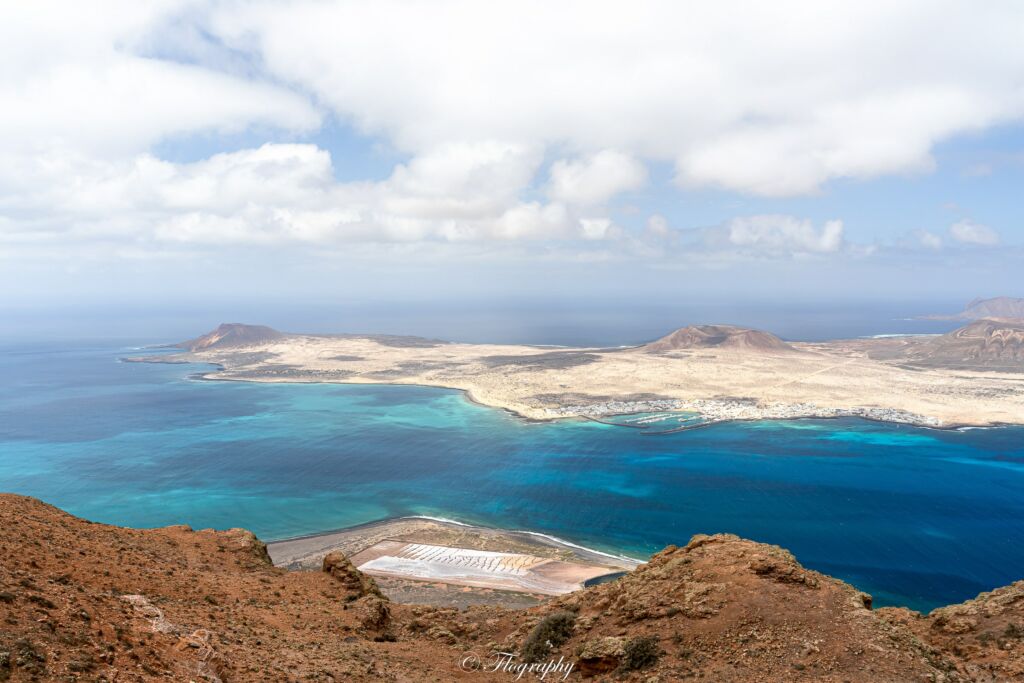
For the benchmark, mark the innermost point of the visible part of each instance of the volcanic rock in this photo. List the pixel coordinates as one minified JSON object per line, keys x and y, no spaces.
{"x":719,"y":336}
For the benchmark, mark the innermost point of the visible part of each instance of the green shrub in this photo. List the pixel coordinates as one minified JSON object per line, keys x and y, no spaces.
{"x":641,"y":652}
{"x":550,"y":632}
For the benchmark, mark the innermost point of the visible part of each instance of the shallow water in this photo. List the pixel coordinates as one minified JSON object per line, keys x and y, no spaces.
{"x":913,"y":516}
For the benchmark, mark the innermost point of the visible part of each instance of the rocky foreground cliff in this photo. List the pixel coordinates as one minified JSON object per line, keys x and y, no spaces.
{"x":90,"y":602}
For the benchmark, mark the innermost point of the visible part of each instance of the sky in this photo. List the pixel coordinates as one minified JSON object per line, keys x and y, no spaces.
{"x":260,"y":157}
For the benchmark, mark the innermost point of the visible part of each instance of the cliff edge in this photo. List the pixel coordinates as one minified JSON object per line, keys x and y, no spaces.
{"x":85,"y":601}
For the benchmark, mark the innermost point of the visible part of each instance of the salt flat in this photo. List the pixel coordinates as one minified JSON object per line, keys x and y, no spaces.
{"x":478,"y":568}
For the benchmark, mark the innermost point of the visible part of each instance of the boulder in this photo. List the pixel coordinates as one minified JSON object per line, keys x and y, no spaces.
{"x":374,"y":613}
{"x":244,"y":542}
{"x":601,"y":656}
{"x":343,"y":571}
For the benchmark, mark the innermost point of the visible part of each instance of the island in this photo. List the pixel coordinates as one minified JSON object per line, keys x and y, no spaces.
{"x":694,"y":376}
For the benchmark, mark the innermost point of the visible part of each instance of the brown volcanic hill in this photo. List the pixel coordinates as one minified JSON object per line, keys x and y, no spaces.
{"x":986,"y":344}
{"x":998,"y":307}
{"x":721,"y":336}
{"x":84,"y":601}
{"x":232,"y":335}
{"x":1006,"y":307}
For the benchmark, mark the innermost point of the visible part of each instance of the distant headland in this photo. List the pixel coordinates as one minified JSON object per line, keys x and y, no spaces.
{"x":1000,"y":307}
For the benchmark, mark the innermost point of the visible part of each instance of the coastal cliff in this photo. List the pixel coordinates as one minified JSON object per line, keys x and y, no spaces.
{"x":85,"y":601}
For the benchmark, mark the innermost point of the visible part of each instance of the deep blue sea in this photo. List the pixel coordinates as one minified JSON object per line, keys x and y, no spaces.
{"x":915,"y":517}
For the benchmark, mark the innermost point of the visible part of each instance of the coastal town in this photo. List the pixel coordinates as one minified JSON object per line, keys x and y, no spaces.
{"x":713,"y":411}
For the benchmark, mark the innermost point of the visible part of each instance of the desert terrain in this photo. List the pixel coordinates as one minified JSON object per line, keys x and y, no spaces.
{"x":973,"y":376}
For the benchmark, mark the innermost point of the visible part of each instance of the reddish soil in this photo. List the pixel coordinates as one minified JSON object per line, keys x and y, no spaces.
{"x":89,"y":602}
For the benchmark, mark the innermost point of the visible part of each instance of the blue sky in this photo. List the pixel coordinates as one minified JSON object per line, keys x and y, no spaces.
{"x":215,"y":153}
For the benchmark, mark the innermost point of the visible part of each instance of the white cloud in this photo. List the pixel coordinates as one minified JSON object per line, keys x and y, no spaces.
{"x":734,"y":96}
{"x":969,"y":232}
{"x":725,"y":93}
{"x":532,"y":220}
{"x":281,"y":193}
{"x":463,"y":180}
{"x":76,"y":78}
{"x":595,"y":179}
{"x":776,"y":235}
{"x":598,"y":229}
{"x":657,"y":226}
{"x":927,"y":239}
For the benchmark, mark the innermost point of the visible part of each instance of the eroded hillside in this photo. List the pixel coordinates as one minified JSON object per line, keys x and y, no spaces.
{"x":84,"y":601}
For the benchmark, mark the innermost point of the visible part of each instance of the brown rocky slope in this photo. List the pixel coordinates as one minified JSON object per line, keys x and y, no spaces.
{"x":994,"y":340}
{"x":84,"y":601}
{"x":1006,"y":307}
{"x":719,"y":336}
{"x":996,"y":345}
{"x":232,"y":335}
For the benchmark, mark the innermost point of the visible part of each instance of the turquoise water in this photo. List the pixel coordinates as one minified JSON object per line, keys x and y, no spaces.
{"x":916,"y":517}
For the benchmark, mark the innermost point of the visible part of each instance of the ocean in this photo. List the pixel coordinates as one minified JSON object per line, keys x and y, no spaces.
{"x":915,"y":517}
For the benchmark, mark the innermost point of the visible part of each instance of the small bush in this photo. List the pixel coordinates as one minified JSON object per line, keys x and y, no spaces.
{"x":641,"y":653}
{"x":42,"y":602}
{"x":29,"y":658}
{"x":550,"y":632}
